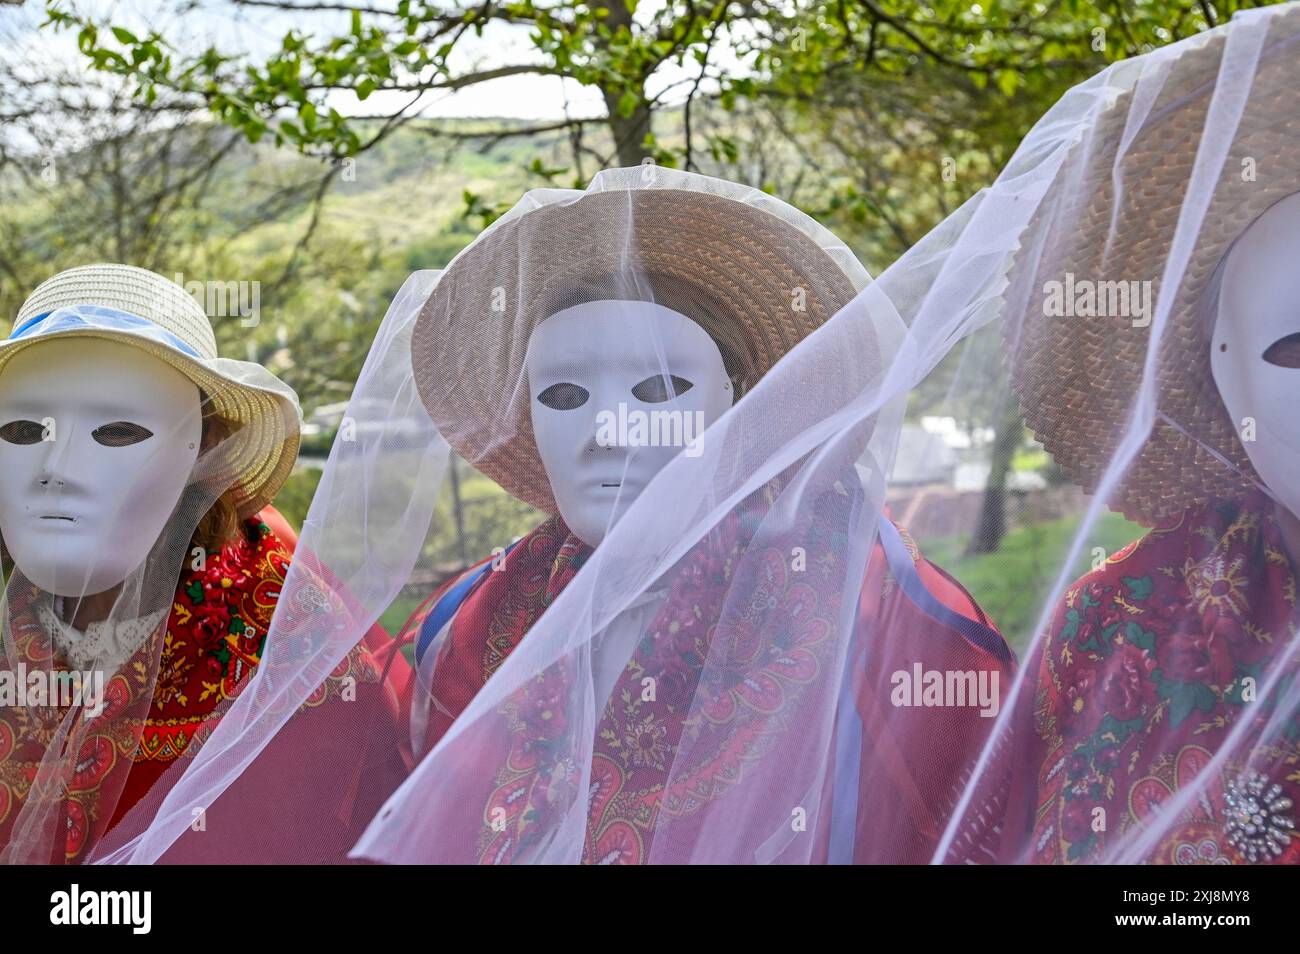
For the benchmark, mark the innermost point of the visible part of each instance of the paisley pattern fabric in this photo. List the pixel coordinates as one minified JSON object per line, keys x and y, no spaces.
{"x":671,"y":751}
{"x":1150,"y":662}
{"x":212,"y":643}
{"x":703,"y":733}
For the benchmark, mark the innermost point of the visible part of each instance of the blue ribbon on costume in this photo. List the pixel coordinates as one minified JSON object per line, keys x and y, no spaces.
{"x":107,"y":319}
{"x":914,"y":588}
{"x":447,"y":605}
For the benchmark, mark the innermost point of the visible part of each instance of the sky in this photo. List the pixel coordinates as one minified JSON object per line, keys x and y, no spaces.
{"x":258,"y":31}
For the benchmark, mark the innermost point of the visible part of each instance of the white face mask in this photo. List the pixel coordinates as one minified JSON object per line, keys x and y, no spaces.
{"x":1255,"y":356}
{"x":97,"y":441}
{"x":604,"y":417}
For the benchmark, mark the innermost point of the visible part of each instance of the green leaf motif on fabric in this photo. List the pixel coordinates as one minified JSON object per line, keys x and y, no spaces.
{"x":1139,"y":637}
{"x":1139,"y":587}
{"x":1184,"y":697}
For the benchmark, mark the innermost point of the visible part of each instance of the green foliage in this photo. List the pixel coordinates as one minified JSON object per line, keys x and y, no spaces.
{"x":327,"y":271}
{"x":295,"y":496}
{"x":1012,"y":584}
{"x":1014,"y":46}
{"x":490,"y":518}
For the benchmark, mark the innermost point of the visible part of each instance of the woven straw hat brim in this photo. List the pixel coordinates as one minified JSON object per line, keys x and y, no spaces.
{"x":1077,"y":377}
{"x":697,"y":252}
{"x":136,"y":291}
{"x":261,"y":452}
{"x":259,"y":455}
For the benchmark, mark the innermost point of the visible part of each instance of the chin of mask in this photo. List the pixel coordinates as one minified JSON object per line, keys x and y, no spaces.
{"x":1255,"y":352}
{"x":97,"y":442}
{"x":618,"y":389}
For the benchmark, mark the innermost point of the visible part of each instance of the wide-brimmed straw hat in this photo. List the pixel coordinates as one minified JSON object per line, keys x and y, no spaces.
{"x":1077,"y":378}
{"x":746,"y":266}
{"x":137,"y":307}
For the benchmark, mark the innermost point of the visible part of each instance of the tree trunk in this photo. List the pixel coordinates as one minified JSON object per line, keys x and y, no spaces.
{"x":629,"y":132}
{"x":993,"y":513}
{"x":458,"y":510}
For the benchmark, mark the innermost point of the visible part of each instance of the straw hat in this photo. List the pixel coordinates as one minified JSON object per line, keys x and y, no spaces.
{"x":764,"y":279}
{"x":1076,"y":378}
{"x":140,"y":308}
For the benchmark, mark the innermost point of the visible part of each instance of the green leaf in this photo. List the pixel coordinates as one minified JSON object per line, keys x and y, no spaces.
{"x":1181,"y":703}
{"x":86,"y":38}
{"x":627,"y":104}
{"x":1185,"y":698}
{"x":1080,"y":849}
{"x":1073,"y":619}
{"x":1120,"y":730}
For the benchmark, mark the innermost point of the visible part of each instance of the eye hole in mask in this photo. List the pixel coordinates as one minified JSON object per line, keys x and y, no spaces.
{"x":120,"y":434}
{"x":1285,"y":352}
{"x":564,"y":396}
{"x":22,"y":432}
{"x":657,"y":389}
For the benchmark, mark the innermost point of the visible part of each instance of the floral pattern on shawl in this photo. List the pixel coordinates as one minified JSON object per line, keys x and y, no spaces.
{"x":212,"y":643}
{"x":734,"y":663}
{"x":721,"y":707}
{"x":1146,"y":668}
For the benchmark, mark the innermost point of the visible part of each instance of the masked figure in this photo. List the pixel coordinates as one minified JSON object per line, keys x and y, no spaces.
{"x":143,"y":561}
{"x":1155,"y":358}
{"x":679,"y":338}
{"x":582,"y":346}
{"x":696,"y":652}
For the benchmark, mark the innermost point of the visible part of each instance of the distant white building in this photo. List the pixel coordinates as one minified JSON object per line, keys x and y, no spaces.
{"x":940,"y":451}
{"x":325,"y":418}
{"x":924,"y":457}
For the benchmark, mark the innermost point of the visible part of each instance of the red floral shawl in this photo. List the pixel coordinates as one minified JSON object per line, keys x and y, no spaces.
{"x":1141,"y":679}
{"x":213,"y":642}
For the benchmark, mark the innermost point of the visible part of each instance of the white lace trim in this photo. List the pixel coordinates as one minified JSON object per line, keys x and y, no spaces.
{"x":105,"y":645}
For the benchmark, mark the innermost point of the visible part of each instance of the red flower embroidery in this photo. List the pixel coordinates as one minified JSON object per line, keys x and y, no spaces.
{"x":1198,"y":658}
{"x":1126,"y":687}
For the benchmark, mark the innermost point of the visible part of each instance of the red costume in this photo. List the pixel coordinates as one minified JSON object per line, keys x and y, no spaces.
{"x":1148,"y":665}
{"x":212,"y":645}
{"x":638,"y":768}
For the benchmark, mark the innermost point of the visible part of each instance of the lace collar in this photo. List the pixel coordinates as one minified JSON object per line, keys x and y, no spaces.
{"x":104,"y":645}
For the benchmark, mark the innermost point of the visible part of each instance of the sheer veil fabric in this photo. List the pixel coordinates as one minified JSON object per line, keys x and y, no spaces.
{"x":716,"y":678}
{"x":1154,"y":718}
{"x":85,"y":637}
{"x":751,"y":544}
